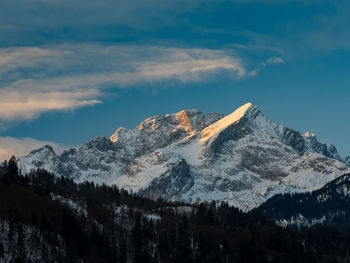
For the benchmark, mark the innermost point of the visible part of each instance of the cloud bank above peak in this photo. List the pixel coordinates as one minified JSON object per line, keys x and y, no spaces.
{"x":35,"y":80}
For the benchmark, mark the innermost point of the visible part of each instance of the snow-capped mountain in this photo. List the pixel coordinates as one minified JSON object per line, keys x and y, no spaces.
{"x":243,"y":158}
{"x":347,"y":160}
{"x":329,"y":205}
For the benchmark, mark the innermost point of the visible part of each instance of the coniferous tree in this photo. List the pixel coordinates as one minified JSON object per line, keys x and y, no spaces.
{"x":20,"y":241}
{"x":98,"y":223}
{"x":2,"y":250}
{"x":122,"y":252}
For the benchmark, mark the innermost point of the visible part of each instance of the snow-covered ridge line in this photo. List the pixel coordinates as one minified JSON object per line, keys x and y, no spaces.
{"x":328,"y":205}
{"x":221,"y":124}
{"x":243,"y":158}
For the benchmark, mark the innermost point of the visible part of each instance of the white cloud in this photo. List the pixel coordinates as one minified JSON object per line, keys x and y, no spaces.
{"x":38,"y":80}
{"x":188,"y":64}
{"x":21,"y":106}
{"x":267,"y":62}
{"x":20,"y":147}
{"x":274,"y":60}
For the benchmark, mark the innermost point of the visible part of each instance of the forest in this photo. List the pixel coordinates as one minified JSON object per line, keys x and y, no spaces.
{"x":44,"y":218}
{"x":329,"y":205}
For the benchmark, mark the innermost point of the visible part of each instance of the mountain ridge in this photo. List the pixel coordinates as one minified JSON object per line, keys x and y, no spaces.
{"x":328,"y":205}
{"x":243,"y":158}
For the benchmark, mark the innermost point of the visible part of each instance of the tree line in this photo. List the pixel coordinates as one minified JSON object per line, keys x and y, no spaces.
{"x":87,"y":222}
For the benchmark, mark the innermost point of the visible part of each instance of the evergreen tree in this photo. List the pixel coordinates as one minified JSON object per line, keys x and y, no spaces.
{"x":2,"y":250}
{"x":20,"y":241}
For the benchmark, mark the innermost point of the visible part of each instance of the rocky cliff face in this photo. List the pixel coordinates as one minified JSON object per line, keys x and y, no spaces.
{"x":243,"y":158}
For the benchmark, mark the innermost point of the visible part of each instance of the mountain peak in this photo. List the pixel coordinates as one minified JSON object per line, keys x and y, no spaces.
{"x":191,"y":156}
{"x":182,"y":119}
{"x":247,"y":110}
{"x":309,"y":134}
{"x":46,"y":148}
{"x":247,"y":105}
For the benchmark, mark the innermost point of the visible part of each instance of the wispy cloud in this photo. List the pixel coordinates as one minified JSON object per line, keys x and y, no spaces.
{"x":20,"y":105}
{"x":189,"y":64}
{"x":38,"y":80}
{"x":273,"y":61}
{"x":267,"y":62}
{"x":324,"y":27}
{"x":329,"y":30}
{"x":21,"y":146}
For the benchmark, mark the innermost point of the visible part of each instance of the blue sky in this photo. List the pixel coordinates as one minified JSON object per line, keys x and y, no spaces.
{"x":74,"y":70}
